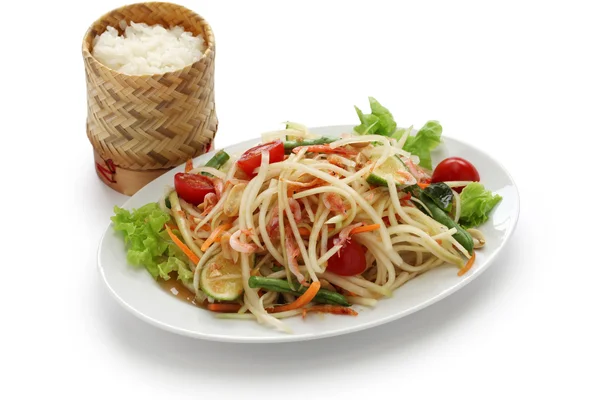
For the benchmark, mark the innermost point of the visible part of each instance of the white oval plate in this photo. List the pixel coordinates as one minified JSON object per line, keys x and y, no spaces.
{"x":135,"y":289}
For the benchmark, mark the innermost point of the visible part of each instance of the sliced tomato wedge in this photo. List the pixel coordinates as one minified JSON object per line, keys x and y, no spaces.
{"x":251,"y":159}
{"x":193,"y":187}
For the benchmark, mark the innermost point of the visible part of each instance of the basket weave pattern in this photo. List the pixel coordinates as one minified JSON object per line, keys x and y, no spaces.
{"x":151,"y":122}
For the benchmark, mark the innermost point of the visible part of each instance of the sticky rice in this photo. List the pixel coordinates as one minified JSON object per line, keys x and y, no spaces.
{"x":147,"y":50}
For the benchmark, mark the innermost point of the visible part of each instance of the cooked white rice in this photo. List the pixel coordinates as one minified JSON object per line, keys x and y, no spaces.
{"x":146,"y":50}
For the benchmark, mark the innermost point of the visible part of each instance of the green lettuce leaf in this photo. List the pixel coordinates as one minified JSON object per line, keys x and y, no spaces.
{"x":183,"y":273}
{"x":147,"y":242}
{"x":400,"y":132}
{"x":379,"y":122}
{"x":476,"y":203}
{"x":426,"y":139}
{"x":174,"y":264}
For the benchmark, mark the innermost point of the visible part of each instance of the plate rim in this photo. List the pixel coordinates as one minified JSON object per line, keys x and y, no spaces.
{"x":286,"y":337}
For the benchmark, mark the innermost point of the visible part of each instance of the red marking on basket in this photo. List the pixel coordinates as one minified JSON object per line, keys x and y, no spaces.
{"x":109,"y":171}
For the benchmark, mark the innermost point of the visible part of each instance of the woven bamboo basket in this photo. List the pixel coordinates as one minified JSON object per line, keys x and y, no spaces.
{"x":142,"y":126}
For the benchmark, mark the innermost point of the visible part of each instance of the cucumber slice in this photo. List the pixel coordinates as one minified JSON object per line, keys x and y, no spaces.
{"x":303,"y":131}
{"x":395,"y":168}
{"x":297,"y":127}
{"x":222,"y":278}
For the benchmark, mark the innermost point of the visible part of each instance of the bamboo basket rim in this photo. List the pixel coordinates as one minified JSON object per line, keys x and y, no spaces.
{"x":208,"y":36}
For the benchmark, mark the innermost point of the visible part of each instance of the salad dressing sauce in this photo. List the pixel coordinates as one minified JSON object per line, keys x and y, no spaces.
{"x":174,"y":287}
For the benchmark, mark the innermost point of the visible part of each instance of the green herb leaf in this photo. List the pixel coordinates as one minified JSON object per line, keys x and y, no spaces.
{"x":379,"y":122}
{"x":426,"y":139}
{"x":476,"y":204}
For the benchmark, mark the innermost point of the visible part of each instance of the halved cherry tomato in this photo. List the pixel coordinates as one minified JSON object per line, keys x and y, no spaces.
{"x":455,"y":169}
{"x":251,"y":159}
{"x":193,"y":187}
{"x":350,"y":260}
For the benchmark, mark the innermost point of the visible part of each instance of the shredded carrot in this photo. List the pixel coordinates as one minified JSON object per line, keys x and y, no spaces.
{"x":423,"y":185}
{"x":304,"y":231}
{"x":223,"y":307}
{"x":301,"y":301}
{"x":331,"y":309}
{"x":215,"y":236}
{"x":467,"y":266}
{"x":189,"y":165}
{"x":365,"y":228}
{"x":439,"y":241}
{"x":205,"y":228}
{"x":182,"y":246}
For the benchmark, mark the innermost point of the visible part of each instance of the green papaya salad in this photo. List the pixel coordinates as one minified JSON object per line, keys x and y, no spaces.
{"x":302,"y":223}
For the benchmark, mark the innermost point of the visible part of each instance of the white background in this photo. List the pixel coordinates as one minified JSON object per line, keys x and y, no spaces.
{"x":519,"y":79}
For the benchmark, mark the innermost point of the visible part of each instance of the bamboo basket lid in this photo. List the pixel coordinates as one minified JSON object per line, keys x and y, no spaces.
{"x":142,"y":126}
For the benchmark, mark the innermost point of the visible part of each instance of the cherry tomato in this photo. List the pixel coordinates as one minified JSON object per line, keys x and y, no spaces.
{"x":251,"y":159}
{"x":193,"y":187}
{"x":455,"y":169}
{"x":350,"y":260}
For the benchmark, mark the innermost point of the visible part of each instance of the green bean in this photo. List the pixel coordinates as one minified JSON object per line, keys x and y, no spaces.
{"x":329,"y":297}
{"x":282,"y":286}
{"x":272,"y":284}
{"x":292,"y":144}
{"x":462,"y":236}
{"x":217,"y":161}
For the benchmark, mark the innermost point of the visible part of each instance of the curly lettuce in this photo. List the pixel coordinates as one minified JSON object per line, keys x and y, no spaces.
{"x":147,"y":242}
{"x":476,"y":204}
{"x":379,"y":122}
{"x":426,"y":140}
